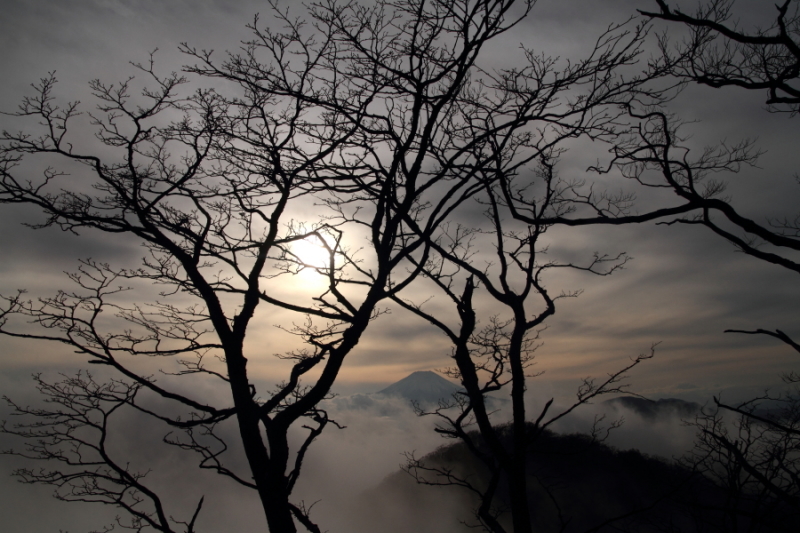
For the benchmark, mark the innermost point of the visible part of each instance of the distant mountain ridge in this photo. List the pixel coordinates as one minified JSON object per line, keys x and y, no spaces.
{"x":652,"y":409}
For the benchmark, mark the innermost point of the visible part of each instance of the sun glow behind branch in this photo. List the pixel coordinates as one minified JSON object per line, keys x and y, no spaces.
{"x":313,"y":256}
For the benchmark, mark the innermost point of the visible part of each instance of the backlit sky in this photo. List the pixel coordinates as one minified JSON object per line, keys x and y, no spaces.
{"x":683,"y":288}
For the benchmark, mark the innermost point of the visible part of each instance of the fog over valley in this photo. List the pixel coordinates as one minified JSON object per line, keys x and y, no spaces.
{"x":355,"y":472}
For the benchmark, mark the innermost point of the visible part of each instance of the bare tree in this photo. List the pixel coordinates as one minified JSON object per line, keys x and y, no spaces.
{"x":523,"y":197}
{"x":500,"y":353}
{"x":754,"y":456}
{"x":75,"y":433}
{"x":210,"y":210}
{"x":357,"y":111}
{"x":649,"y":153}
{"x":720,"y":53}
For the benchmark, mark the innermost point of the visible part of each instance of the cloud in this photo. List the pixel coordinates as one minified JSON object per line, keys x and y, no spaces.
{"x":666,"y":435}
{"x":341,"y":465}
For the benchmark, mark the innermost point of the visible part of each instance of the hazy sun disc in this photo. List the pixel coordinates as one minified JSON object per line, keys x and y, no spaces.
{"x":311,"y":253}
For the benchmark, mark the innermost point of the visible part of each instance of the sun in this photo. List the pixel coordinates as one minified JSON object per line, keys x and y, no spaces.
{"x":312,"y":253}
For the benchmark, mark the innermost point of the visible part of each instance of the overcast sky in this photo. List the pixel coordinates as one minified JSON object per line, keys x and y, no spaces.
{"x":682,"y":289}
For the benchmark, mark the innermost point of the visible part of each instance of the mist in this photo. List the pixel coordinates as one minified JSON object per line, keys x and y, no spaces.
{"x":342,"y":475}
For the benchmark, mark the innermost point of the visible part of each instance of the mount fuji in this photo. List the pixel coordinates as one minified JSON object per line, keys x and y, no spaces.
{"x":424,"y":387}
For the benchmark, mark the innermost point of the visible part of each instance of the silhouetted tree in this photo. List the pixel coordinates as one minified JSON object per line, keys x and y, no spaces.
{"x":720,"y":53}
{"x":356,"y":110}
{"x":382,"y":116}
{"x":649,"y":152}
{"x":754,"y":455}
{"x":500,"y":354}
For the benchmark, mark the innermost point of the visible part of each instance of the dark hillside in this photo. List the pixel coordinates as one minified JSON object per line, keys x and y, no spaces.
{"x":577,"y":485}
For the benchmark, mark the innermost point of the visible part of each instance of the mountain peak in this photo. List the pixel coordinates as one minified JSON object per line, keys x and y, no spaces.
{"x":423,"y":386}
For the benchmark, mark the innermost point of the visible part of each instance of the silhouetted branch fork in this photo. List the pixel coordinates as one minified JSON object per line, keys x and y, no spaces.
{"x":302,"y":514}
{"x":210,"y":457}
{"x":443,"y":476}
{"x":590,"y":390}
{"x":746,"y":465}
{"x":190,"y":525}
{"x":75,"y":435}
{"x":321,"y":418}
{"x":761,"y":60}
{"x":774,"y":422}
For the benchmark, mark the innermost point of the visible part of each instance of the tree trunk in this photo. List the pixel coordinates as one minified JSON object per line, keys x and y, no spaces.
{"x":279,"y":513}
{"x":517,"y":475}
{"x":268,"y":468}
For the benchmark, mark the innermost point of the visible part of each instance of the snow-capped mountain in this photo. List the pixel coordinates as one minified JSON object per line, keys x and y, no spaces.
{"x":424,"y":387}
